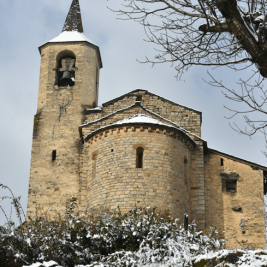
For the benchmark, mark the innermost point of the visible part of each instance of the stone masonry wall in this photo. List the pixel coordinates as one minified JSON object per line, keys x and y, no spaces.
{"x":197,"y":187}
{"x":220,"y":203}
{"x":197,"y":202}
{"x":113,"y":179}
{"x":103,"y":170}
{"x":53,"y":182}
{"x":185,"y":117}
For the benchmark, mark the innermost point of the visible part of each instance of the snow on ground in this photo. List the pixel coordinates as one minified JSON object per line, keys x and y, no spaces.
{"x":45,"y":264}
{"x":253,"y":258}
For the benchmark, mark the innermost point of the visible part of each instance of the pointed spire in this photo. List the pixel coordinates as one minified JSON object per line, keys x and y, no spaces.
{"x":74,"y":19}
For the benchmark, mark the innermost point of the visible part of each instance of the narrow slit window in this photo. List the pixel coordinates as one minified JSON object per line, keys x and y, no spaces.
{"x":139,"y":157}
{"x":97,"y":82}
{"x":185,"y":170}
{"x":54,"y":155}
{"x":221,"y":162}
{"x":265,"y":182}
{"x":94,"y":166}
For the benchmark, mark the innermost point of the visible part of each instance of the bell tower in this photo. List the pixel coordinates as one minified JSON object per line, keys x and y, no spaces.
{"x":68,"y":84}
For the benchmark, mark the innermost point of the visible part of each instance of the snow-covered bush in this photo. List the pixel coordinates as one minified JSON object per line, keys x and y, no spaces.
{"x":136,"y":238}
{"x":99,"y":237}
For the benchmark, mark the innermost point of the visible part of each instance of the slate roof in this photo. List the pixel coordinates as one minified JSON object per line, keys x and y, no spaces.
{"x":74,"y":18}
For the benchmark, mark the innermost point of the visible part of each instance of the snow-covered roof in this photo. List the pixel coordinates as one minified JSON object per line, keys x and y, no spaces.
{"x":138,"y":119}
{"x":73,"y":36}
{"x":94,"y":109}
{"x":138,"y":103}
{"x":73,"y":30}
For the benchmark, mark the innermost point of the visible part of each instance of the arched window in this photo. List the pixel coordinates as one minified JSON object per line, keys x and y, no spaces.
{"x":139,"y":157}
{"x":65,"y":68}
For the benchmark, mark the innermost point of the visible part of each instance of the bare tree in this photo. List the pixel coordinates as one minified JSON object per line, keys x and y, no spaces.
{"x":216,"y":33}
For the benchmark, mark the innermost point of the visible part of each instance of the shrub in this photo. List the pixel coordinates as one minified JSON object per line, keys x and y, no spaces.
{"x":99,"y":237}
{"x":138,"y":236}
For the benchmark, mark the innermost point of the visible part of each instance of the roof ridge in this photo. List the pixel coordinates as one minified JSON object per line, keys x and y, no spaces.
{"x":148,"y":92}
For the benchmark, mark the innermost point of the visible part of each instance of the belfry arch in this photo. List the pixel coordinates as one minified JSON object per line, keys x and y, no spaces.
{"x":65,"y":64}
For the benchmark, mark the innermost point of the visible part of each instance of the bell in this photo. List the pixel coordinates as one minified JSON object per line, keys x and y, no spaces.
{"x":66,"y":79}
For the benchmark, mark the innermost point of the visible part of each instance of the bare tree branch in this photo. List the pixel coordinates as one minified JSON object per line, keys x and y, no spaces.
{"x":216,"y":33}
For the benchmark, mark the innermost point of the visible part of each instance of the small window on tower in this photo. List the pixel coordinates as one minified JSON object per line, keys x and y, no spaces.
{"x":97,"y":82}
{"x":139,"y":157}
{"x":221,"y":162}
{"x":94,"y":157}
{"x":185,"y":170}
{"x":54,"y":155}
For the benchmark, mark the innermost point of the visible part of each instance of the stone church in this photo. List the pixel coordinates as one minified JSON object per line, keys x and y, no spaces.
{"x":137,"y":149}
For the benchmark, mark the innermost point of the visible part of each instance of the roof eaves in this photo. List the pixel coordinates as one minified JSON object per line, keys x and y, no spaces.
{"x":252,"y":164}
{"x":115,"y":125}
{"x":138,"y":103}
{"x":92,"y":122}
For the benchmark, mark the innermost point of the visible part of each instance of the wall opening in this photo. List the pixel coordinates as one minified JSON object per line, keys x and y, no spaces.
{"x":231,"y":186}
{"x":94,"y":157}
{"x":139,"y":157}
{"x":97,"y":84}
{"x":185,"y":169}
{"x":221,"y":162}
{"x":139,"y":98}
{"x":265,"y":182}
{"x":65,"y":69}
{"x":54,"y":155}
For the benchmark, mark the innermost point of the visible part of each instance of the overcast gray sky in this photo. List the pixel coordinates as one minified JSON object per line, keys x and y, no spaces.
{"x":25,"y":25}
